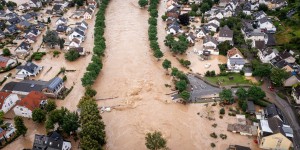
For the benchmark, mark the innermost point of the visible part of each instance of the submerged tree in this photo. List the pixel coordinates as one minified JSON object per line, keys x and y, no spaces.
{"x":155,"y":141}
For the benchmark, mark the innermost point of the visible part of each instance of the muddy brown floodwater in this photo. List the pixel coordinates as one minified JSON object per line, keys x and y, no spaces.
{"x":131,"y":74}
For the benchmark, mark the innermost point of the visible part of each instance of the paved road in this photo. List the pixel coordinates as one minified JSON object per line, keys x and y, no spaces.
{"x":287,"y":111}
{"x":200,"y":88}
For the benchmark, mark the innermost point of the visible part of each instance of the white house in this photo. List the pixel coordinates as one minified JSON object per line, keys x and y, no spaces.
{"x":23,"y":49}
{"x":53,"y":139}
{"x":5,"y":62}
{"x":235,"y":60}
{"x":259,"y":15}
{"x":191,"y":38}
{"x":77,"y":34}
{"x":29,"y":69}
{"x":75,"y":43}
{"x":210,"y":42}
{"x":7,"y":101}
{"x":61,"y":21}
{"x":247,"y":8}
{"x":82,"y":24}
{"x":215,"y":21}
{"x":174,"y":29}
{"x":212,"y":27}
{"x":88,"y":14}
{"x":225,"y":34}
{"x":35,"y":3}
{"x":267,"y":54}
{"x":24,"y":6}
{"x":266,"y":24}
{"x":202,"y":32}
{"x":30,"y":102}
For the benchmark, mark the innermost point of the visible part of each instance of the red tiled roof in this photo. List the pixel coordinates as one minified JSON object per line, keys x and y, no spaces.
{"x":233,"y":51}
{"x":3,"y":96}
{"x":32,"y":100}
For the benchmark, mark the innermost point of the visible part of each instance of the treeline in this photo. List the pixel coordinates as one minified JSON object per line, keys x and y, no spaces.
{"x":92,"y":135}
{"x":94,"y":68}
{"x":152,"y":30}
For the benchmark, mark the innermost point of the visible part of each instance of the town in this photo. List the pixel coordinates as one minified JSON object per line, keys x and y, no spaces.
{"x":150,"y":74}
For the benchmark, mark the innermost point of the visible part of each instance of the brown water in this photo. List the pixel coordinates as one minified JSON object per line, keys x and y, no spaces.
{"x":131,"y":74}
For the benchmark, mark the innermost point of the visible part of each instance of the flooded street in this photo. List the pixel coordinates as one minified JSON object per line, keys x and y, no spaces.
{"x":136,"y":81}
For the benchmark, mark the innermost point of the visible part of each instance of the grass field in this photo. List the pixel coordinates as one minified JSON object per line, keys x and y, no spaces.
{"x":285,"y":33}
{"x":237,"y":79}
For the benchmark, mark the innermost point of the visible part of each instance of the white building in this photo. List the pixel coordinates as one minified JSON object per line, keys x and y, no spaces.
{"x":296,"y":94}
{"x":235,"y":60}
{"x":29,"y":69}
{"x":267,"y":54}
{"x":30,"y":102}
{"x":225,"y":34}
{"x":7,"y":101}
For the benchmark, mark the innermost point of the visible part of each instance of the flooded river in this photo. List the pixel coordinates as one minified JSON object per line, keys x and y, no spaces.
{"x":134,"y":78}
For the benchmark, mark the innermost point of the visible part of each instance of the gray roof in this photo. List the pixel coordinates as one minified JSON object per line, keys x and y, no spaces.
{"x":263,"y":20}
{"x":212,"y":24}
{"x":271,"y":40}
{"x":277,"y":126}
{"x":247,"y":6}
{"x":24,"y":45}
{"x":209,"y":38}
{"x":225,"y":32}
{"x":260,"y":45}
{"x":32,"y":85}
{"x":79,"y":31}
{"x":250,"y":107}
{"x":30,"y":67}
{"x":52,"y":142}
{"x":25,"y":23}
{"x":247,"y":26}
{"x":61,"y":28}
{"x":258,"y":14}
{"x":237,"y":61}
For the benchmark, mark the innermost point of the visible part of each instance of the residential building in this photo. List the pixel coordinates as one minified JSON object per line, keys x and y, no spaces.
{"x":191,"y":38}
{"x":215,"y":21}
{"x":266,"y":25}
{"x":60,"y":21}
{"x":53,"y":141}
{"x":259,"y":15}
{"x":291,"y":81}
{"x":51,"y":88}
{"x":7,"y":62}
{"x":202,"y":32}
{"x":88,"y":14}
{"x":26,"y":105}
{"x":247,"y":130}
{"x":247,"y":8}
{"x":225,"y":34}
{"x":274,"y":134}
{"x":62,"y":28}
{"x":210,"y":44}
{"x":212,"y":27}
{"x":29,"y":69}
{"x":235,"y":60}
{"x":23,"y":50}
{"x":267,"y":54}
{"x":7,"y":131}
{"x":296,"y":93}
{"x":80,"y":50}
{"x":77,"y":34}
{"x":35,"y":3}
{"x":250,"y":107}
{"x":7,"y":101}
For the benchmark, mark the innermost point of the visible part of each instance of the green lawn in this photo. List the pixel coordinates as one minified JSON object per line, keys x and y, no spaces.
{"x":237,"y":79}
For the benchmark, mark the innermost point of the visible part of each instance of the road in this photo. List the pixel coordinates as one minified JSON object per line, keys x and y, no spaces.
{"x":284,"y":106}
{"x":200,"y":88}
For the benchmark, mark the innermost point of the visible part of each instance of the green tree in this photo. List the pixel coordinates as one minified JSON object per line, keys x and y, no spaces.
{"x":158,"y":54}
{"x":1,"y":117}
{"x":169,"y":40}
{"x":226,"y":96}
{"x":174,"y":71}
{"x":180,"y":46}
{"x":143,"y":3}
{"x":262,"y":70}
{"x":241,"y":93}
{"x":19,"y":124}
{"x":152,"y":21}
{"x":61,"y":43}
{"x":90,"y":92}
{"x":6,"y":52}
{"x":263,"y":7}
{"x":51,"y":38}
{"x":166,"y":64}
{"x":278,"y":76}
{"x":70,"y":122}
{"x":72,"y":55}
{"x":79,"y":2}
{"x":224,"y":47}
{"x":55,"y":117}
{"x":51,"y":105}
{"x":204,"y":7}
{"x":87,"y":143}
{"x":39,"y":115}
{"x":256,"y":93}
{"x":185,"y":95}
{"x":155,"y":141}
{"x":11,"y":4}
{"x":181,"y":85}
